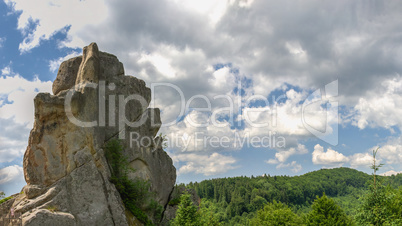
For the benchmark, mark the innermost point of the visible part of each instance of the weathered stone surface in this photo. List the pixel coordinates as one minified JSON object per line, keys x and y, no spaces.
{"x":65,"y":165}
{"x":5,"y":208}
{"x":46,"y":217}
{"x":32,"y":191}
{"x":152,"y":162}
{"x":90,"y":68}
{"x":66,"y":75}
{"x":170,"y":214}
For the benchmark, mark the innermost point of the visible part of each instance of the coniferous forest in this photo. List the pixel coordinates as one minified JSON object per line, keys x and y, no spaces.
{"x":340,"y":196}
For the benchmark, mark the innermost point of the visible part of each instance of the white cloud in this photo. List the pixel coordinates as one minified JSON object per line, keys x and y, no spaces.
{"x":53,"y":16}
{"x":13,"y":140}
{"x":157,"y":41}
{"x":390,"y":173}
{"x":204,"y":164}
{"x":249,"y":35}
{"x":261,"y":38}
{"x":381,"y":107}
{"x":391,"y":151}
{"x":6,"y":70}
{"x":282,"y":155}
{"x":213,"y":10}
{"x":188,"y":136}
{"x":361,"y":159}
{"x":191,"y":72}
{"x":11,"y":179}
{"x":17,"y":114}
{"x":243,"y":3}
{"x":10,"y":174}
{"x":295,"y":167}
{"x":2,"y":40}
{"x":285,"y":117}
{"x":55,"y":64}
{"x":329,"y":157}
{"x":20,"y":93}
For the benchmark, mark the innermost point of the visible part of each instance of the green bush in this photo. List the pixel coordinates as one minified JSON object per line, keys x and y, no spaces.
{"x":187,"y":213}
{"x":5,"y":200}
{"x":326,"y":212}
{"x":381,"y":204}
{"x":174,"y":202}
{"x":134,"y":193}
{"x":276,"y":213}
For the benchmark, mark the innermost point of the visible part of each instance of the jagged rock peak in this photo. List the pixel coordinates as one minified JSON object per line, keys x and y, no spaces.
{"x":92,"y":66}
{"x":67,"y":174}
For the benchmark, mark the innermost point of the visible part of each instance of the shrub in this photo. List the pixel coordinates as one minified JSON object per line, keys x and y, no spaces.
{"x":134,"y":193}
{"x":276,"y":213}
{"x":327,"y":212}
{"x":187,"y":213}
{"x":5,"y":199}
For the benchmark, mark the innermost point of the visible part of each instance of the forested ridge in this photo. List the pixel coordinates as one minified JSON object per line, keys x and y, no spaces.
{"x":241,"y":200}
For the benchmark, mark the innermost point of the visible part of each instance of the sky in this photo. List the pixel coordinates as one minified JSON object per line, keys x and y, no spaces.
{"x":245,"y":87}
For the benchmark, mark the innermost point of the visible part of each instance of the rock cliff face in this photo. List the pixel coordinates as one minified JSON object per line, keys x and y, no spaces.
{"x":65,"y":167}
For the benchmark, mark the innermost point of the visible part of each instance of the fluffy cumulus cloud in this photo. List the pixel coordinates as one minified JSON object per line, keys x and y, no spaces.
{"x":17,"y":113}
{"x":390,"y":173}
{"x":283,"y":155}
{"x":17,"y":94}
{"x":10,"y":173}
{"x":290,"y":115}
{"x":381,"y":107}
{"x":361,"y":159}
{"x":11,"y":177}
{"x":391,"y":151}
{"x":189,"y":136}
{"x":42,"y":19}
{"x":329,"y":157}
{"x":294,"y":166}
{"x":209,"y":47}
{"x":205,"y":164}
{"x":13,"y":140}
{"x":16,"y":120}
{"x":333,"y":158}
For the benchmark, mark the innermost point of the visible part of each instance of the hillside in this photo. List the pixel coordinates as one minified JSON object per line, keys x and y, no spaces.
{"x":234,"y":200}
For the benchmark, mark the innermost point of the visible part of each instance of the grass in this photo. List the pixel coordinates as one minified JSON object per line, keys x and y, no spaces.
{"x":52,"y":209}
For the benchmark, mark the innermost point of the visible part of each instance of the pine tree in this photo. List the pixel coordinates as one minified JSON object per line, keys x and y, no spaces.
{"x":186,"y":214}
{"x":376,"y":208}
{"x":276,"y":214}
{"x":327,"y":212}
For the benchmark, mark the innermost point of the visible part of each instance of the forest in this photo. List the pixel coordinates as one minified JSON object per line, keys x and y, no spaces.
{"x":340,"y":196}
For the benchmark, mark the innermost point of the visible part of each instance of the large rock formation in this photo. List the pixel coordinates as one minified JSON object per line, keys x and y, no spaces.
{"x":65,"y":167}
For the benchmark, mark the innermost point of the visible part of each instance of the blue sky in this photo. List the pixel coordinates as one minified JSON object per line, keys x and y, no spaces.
{"x":275,"y":51}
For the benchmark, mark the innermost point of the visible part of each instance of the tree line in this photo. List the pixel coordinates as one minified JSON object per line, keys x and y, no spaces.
{"x":340,"y":196}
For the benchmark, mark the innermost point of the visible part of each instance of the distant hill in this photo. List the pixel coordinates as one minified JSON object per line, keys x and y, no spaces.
{"x":242,"y":196}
